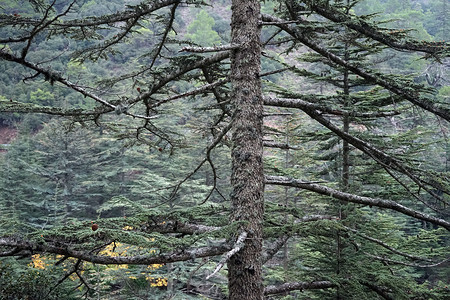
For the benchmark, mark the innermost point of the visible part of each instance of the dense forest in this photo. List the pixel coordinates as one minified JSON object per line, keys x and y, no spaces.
{"x":228,"y":149}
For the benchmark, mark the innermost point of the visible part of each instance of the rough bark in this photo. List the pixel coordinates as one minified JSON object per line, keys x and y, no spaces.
{"x":247,"y":179}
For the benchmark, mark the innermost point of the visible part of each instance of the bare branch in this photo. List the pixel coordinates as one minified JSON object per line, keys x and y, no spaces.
{"x":236,"y":248}
{"x":207,"y":87}
{"x":323,"y":190}
{"x":53,"y":76}
{"x":278,"y":23}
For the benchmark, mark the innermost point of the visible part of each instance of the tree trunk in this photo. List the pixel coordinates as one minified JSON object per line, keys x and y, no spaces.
{"x":247,"y":178}
{"x":345,"y":162}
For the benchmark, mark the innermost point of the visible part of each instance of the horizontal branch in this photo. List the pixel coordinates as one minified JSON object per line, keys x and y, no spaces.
{"x":278,"y":23}
{"x":181,"y":255}
{"x":293,"y":286}
{"x":323,"y":190}
{"x":298,"y":103}
{"x":279,"y":145}
{"x":209,"y":49}
{"x":19,"y":107}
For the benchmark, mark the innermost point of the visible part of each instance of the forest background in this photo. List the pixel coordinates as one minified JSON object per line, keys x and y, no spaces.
{"x":153,"y":177}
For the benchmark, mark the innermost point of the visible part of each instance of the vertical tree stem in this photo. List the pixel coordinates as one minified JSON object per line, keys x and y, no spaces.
{"x":247,"y":178}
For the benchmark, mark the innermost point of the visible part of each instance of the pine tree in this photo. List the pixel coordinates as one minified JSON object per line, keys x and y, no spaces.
{"x":140,"y":104}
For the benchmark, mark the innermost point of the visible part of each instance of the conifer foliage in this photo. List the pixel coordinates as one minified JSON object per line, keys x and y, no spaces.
{"x":168,"y":167}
